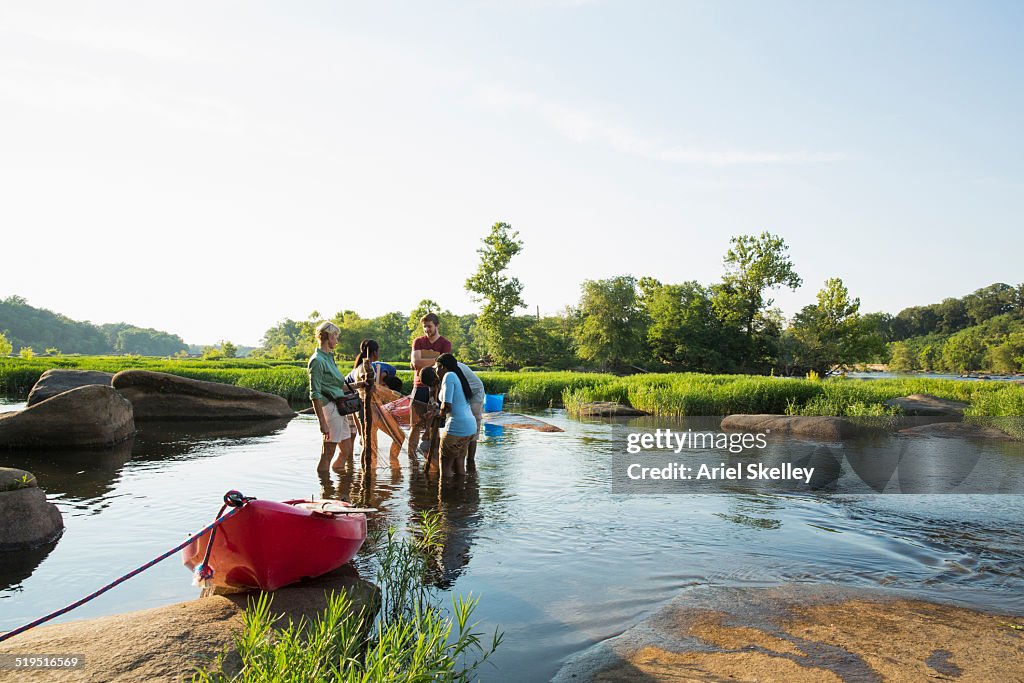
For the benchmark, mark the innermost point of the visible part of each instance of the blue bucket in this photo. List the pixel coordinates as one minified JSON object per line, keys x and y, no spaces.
{"x":493,"y":402}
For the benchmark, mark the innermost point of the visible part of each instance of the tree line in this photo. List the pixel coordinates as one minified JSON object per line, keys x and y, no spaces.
{"x":628,"y":323}
{"x":42,"y":331}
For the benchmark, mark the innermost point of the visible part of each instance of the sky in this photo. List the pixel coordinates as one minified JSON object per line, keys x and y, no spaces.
{"x":211,"y":168}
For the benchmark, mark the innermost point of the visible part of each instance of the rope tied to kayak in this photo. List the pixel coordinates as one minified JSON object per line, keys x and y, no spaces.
{"x":232,"y":499}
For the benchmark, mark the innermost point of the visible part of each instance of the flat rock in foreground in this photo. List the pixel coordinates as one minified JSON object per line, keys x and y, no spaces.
{"x":168,"y":643}
{"x":57,"y":381}
{"x":808,"y":426}
{"x":87,"y":417}
{"x":926,"y":405}
{"x":805,"y":633}
{"x":160,"y":396}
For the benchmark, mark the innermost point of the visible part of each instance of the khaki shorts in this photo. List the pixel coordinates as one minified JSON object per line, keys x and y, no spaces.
{"x":339,"y":427}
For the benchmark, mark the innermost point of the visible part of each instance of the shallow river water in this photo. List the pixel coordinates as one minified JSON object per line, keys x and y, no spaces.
{"x":559,"y":561}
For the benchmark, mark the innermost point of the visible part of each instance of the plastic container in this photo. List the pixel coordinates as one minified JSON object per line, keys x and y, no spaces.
{"x":493,"y":403}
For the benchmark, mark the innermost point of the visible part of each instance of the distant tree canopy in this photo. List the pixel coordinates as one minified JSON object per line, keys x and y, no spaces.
{"x":27,"y":326}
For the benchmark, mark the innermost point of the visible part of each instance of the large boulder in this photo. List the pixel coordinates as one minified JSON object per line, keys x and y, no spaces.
{"x":29,"y":520}
{"x":87,"y":417}
{"x":805,"y":633}
{"x":159,"y":396}
{"x":806,"y":426}
{"x":168,"y":643}
{"x":607,"y":409}
{"x":57,"y":381}
{"x":926,"y":405}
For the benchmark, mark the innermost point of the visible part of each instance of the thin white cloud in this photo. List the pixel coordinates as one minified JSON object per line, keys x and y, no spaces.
{"x":583,"y":127}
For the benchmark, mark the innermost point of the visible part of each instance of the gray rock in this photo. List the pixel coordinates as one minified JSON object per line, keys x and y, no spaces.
{"x":86,"y":417}
{"x":12,"y":479}
{"x":29,"y":519}
{"x":167,"y":643}
{"x":807,"y":426}
{"x":159,"y":396}
{"x":608,"y":409}
{"x":926,"y":405}
{"x":957,"y":430}
{"x":57,"y":381}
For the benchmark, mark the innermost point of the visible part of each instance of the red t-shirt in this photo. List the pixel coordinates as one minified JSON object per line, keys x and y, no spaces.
{"x":430,"y":350}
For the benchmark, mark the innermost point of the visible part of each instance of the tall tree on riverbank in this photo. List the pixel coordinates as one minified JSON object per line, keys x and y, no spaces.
{"x":754,"y":266}
{"x":684,"y":332}
{"x":612,"y":328}
{"x":500,"y":294}
{"x":831,"y":332}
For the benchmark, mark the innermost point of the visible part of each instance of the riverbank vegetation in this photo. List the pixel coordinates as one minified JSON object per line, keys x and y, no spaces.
{"x":670,"y":394}
{"x":412,"y":638}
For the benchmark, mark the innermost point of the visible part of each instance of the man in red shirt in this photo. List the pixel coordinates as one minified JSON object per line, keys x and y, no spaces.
{"x":425,"y":351}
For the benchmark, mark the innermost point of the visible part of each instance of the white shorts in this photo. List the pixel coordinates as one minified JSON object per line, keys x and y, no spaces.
{"x":478,"y":412}
{"x":339,"y":427}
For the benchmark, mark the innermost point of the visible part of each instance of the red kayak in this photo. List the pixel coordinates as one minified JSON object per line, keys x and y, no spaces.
{"x":268,"y":545}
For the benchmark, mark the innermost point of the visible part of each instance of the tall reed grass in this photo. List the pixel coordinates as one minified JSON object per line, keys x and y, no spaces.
{"x":411,"y":638}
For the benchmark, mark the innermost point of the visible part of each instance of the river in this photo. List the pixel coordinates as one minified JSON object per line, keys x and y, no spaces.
{"x":559,"y":561}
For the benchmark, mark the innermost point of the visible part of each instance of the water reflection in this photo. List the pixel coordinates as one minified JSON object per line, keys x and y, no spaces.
{"x":17,"y":566}
{"x":173,"y":440}
{"x":79,"y":475}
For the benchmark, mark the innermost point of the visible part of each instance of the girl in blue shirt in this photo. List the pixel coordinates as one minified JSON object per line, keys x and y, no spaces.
{"x":455,"y":396}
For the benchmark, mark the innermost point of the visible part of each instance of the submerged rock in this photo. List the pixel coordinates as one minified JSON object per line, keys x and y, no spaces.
{"x":607,"y":409}
{"x":809,"y":426}
{"x":168,"y":643}
{"x":57,"y":381}
{"x":159,"y":396}
{"x":926,"y":405}
{"x":29,"y":520}
{"x":86,"y":417}
{"x":805,"y":633}
{"x":957,"y":430}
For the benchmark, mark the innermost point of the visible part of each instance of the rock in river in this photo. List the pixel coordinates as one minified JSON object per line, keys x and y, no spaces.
{"x":167,"y":643}
{"x":159,"y":396}
{"x":57,"y":381}
{"x":926,"y":405}
{"x":958,"y":430}
{"x":607,"y":409}
{"x":805,"y":633}
{"x":812,"y":427}
{"x":87,"y":417}
{"x":29,"y":520}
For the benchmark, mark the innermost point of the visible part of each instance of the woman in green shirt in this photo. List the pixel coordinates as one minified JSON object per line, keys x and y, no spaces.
{"x":326,"y":383}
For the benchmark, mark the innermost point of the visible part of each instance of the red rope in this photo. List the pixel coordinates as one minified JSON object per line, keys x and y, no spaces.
{"x":122,"y":579}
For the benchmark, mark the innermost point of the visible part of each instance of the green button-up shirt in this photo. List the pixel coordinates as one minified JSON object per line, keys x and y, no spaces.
{"x":325,"y":380}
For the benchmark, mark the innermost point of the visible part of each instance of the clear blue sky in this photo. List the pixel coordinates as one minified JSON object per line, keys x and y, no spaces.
{"x":211,"y":168}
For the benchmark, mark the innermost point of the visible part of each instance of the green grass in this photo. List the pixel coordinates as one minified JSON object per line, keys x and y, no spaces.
{"x":411,"y":638}
{"x":670,"y":394}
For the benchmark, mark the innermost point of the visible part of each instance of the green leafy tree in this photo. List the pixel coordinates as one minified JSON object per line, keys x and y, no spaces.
{"x":5,"y":346}
{"x":754,"y":266}
{"x":684,"y":332}
{"x":228,"y":349}
{"x":901,"y":357}
{"x":500,"y":294}
{"x":391,"y":333}
{"x":831,"y":332}
{"x":26,"y":353}
{"x":212,"y":353}
{"x":964,"y":351}
{"x":52,"y":351}
{"x":612,"y":323}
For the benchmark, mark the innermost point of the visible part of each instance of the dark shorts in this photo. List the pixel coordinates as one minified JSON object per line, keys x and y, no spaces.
{"x":421,"y":394}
